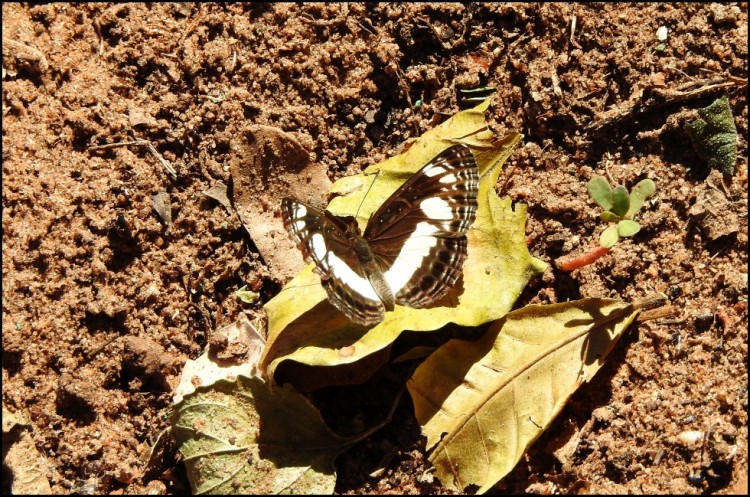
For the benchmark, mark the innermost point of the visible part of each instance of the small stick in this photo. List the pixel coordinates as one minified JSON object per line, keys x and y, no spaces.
{"x":148,"y":145}
{"x":668,"y":311}
{"x":652,"y":98}
{"x":365,"y":27}
{"x":573,"y":32}
{"x":609,"y":175}
{"x":96,"y":351}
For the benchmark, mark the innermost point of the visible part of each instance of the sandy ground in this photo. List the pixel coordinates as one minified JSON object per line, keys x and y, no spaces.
{"x":102,"y":304}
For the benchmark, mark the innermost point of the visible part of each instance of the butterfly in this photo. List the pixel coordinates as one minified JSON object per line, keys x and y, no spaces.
{"x":413,"y":248}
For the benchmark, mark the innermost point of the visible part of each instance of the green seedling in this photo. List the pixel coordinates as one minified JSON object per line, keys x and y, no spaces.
{"x":619,"y":207}
{"x":247,"y":296}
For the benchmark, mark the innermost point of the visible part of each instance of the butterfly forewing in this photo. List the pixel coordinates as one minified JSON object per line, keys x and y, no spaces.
{"x":322,"y":238}
{"x":418,"y":234}
{"x":447,"y":185}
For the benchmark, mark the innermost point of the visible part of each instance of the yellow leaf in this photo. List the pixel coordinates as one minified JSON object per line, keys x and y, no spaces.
{"x":482,"y":404}
{"x":304,"y":327}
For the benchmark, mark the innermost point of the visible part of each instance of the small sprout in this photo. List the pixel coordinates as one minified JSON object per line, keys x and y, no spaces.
{"x":247,"y":296}
{"x":620,"y":206}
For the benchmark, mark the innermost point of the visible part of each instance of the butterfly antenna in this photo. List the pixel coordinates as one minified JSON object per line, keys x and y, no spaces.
{"x":377,"y":173}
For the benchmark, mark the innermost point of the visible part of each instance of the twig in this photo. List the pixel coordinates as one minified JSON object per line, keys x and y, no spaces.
{"x":652,"y":98}
{"x":651,"y":301}
{"x":307,"y":18}
{"x":96,"y":351}
{"x":145,"y":143}
{"x":609,"y":175}
{"x":362,"y":25}
{"x":668,"y":311}
{"x":573,"y":32}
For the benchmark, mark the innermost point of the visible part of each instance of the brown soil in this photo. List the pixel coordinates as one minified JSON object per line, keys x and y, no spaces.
{"x":102,"y":304}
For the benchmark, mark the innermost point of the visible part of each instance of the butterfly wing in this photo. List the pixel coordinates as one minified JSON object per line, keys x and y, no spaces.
{"x":322,"y":238}
{"x":419,"y":233}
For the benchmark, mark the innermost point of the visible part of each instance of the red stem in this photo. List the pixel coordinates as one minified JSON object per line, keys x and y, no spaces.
{"x":579,"y":261}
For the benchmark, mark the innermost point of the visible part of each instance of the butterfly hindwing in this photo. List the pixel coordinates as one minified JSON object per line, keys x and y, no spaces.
{"x":322,"y":238}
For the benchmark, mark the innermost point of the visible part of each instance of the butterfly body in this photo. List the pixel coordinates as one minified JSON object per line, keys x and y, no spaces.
{"x":413,"y":247}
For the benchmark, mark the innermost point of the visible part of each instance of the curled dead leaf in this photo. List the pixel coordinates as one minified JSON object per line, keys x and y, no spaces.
{"x":268,"y":164}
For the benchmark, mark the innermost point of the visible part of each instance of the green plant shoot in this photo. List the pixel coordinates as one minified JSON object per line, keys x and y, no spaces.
{"x":620,"y":206}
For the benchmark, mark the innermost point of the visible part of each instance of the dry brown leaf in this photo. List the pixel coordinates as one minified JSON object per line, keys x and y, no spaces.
{"x":268,"y":164}
{"x":712,"y":210}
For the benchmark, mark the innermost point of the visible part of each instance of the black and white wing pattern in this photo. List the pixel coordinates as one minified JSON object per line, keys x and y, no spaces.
{"x":413,"y":248}
{"x":419,"y":234}
{"x":326,"y":241}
